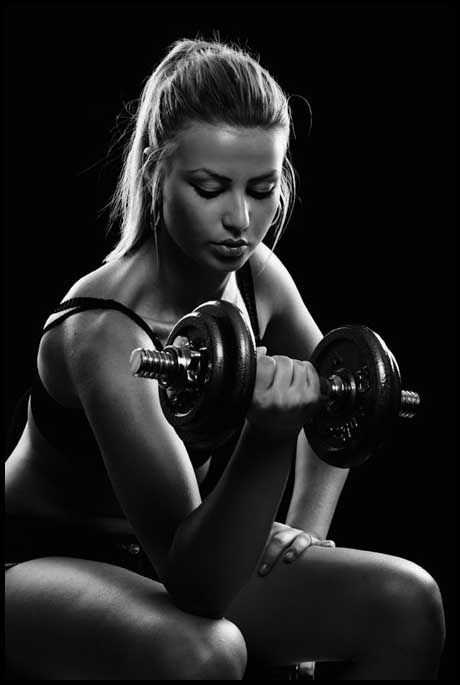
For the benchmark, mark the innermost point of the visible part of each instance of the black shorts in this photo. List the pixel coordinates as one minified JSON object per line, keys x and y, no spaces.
{"x":27,"y":539}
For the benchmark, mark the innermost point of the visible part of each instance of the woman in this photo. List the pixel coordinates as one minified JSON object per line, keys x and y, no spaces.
{"x":137,"y":557}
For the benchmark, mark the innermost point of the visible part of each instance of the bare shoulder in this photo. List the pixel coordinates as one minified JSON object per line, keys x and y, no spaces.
{"x":94,"y":336}
{"x":97,"y":283}
{"x":76,"y":345}
{"x":290,"y":328}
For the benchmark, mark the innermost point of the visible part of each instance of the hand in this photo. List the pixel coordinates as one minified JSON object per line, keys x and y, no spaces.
{"x":287,"y":543}
{"x":285,"y":393}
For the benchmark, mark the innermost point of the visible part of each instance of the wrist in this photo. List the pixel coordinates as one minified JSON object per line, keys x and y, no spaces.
{"x":262,"y":435}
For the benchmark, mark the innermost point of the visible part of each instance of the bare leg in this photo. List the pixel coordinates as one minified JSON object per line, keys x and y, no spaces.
{"x":381,"y":615}
{"x":72,"y":619}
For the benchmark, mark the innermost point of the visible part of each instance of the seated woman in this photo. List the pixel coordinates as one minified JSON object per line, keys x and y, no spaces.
{"x":126,"y":559}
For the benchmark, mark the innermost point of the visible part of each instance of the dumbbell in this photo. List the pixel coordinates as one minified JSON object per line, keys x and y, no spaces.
{"x":206,"y":375}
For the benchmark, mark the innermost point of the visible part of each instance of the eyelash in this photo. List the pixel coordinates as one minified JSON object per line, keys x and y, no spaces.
{"x":208,"y":194}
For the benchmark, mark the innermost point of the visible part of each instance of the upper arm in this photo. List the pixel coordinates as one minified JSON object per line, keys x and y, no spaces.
{"x":148,"y":465}
{"x":291,"y":329}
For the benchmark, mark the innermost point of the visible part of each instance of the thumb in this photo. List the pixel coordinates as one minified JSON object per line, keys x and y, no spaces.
{"x":321,"y":543}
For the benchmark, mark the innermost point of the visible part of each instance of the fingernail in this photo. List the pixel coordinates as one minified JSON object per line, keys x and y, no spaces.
{"x":263,"y":569}
{"x":288,"y":557}
{"x":329,"y":543}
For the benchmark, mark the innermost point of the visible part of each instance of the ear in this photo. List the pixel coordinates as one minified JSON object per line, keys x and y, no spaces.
{"x":145,"y":166}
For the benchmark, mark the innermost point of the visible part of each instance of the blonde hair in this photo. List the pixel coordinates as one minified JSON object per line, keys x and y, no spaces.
{"x":198,"y":81}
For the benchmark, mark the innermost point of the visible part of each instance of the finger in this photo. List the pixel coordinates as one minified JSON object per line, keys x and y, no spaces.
{"x":326,"y":543}
{"x":298,"y":546}
{"x":300,"y":375}
{"x":306,"y":385}
{"x":281,"y":544}
{"x":313,"y":381}
{"x":284,"y":374}
{"x":275,"y":547}
{"x":307,"y":377}
{"x":318,"y":542}
{"x":265,"y":372}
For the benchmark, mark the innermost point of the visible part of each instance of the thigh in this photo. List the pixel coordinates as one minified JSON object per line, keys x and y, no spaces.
{"x":69,"y":618}
{"x":322,"y":607}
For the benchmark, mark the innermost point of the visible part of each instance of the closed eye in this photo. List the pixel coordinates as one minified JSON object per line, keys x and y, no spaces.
{"x":259,"y":195}
{"x":262,"y":193}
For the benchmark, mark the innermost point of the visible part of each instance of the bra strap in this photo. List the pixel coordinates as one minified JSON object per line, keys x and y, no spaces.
{"x":80,"y":304}
{"x":246,"y":286}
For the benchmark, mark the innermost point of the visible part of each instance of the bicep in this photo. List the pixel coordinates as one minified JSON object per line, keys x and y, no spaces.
{"x":148,"y":465}
{"x":291,"y":329}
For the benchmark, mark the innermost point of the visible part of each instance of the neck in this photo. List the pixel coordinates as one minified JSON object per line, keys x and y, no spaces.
{"x":181,"y":284}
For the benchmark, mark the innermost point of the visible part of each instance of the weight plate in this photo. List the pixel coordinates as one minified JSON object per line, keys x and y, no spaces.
{"x":240,"y":367}
{"x":347,"y":433}
{"x":206,"y":416}
{"x":192,"y":406}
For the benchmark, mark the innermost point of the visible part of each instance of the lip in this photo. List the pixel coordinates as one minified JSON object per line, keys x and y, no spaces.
{"x":230,"y":249}
{"x":233,"y":243}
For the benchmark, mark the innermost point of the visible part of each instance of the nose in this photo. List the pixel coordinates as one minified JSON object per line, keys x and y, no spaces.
{"x":236,"y":213}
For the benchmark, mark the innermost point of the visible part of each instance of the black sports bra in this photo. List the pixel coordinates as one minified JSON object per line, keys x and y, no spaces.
{"x":68,"y":429}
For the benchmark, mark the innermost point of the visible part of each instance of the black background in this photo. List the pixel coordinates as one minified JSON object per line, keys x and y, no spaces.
{"x":372,"y":237}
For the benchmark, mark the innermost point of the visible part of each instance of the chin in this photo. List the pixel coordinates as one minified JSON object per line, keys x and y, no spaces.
{"x":230,"y":265}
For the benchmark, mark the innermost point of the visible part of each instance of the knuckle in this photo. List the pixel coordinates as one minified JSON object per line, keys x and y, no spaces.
{"x":282,"y":538}
{"x":306,"y":538}
{"x":283,"y":362}
{"x":277,"y":526}
{"x":301,"y":542}
{"x":266,"y":365}
{"x":311,"y":374}
{"x":301,"y":365}
{"x":309,"y":368}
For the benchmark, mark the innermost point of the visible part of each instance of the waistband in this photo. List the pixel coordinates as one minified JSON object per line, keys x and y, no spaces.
{"x":27,"y":539}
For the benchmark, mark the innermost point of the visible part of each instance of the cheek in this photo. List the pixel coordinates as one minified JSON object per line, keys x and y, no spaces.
{"x":180,"y":213}
{"x":265,"y":212}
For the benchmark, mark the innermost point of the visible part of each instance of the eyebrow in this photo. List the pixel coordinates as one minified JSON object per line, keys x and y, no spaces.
{"x":218,"y":177}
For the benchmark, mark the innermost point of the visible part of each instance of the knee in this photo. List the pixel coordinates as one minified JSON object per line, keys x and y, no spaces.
{"x":212,"y":650}
{"x":222,"y":653}
{"x":411,"y":606}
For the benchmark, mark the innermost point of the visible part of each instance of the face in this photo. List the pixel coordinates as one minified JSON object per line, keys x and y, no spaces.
{"x":222,"y":186}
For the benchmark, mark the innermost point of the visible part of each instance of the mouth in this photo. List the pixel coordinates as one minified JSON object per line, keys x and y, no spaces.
{"x":231,"y":248}
{"x":233,"y":243}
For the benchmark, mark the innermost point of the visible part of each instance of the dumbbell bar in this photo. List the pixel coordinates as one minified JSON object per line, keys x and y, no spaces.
{"x":206,"y":374}
{"x":178,"y":367}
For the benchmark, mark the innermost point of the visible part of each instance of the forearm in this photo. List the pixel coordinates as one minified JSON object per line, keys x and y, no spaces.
{"x":216,"y":549}
{"x":317,"y":488}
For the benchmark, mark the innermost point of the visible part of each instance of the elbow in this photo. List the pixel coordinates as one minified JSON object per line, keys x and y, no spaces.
{"x":199,"y":608}
{"x":194,"y":600}
{"x":200,"y":591}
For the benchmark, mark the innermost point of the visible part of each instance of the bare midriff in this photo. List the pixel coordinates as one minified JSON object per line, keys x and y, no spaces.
{"x":41,"y":482}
